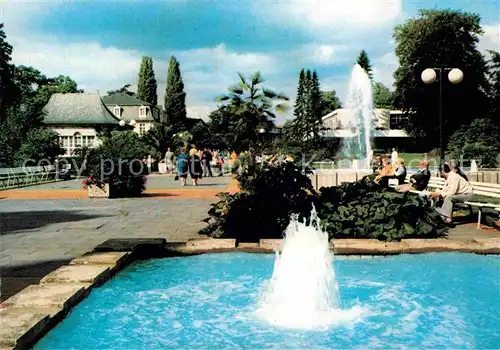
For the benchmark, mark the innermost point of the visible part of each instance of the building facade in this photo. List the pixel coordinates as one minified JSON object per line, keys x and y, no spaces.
{"x":134,"y":112}
{"x":77,"y":118}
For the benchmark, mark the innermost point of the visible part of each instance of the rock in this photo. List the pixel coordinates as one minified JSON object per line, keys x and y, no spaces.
{"x":92,"y":274}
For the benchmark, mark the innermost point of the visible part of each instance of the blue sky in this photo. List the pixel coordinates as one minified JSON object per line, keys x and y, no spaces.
{"x":100,"y":43}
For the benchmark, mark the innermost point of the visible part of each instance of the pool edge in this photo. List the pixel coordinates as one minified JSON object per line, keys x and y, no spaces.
{"x":36,"y":309}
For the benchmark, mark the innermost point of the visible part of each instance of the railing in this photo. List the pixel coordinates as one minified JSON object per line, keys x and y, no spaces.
{"x":22,"y":176}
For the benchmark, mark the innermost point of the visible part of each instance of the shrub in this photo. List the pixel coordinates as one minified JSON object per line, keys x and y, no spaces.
{"x":364,"y":209}
{"x":271,"y":194}
{"x":118,"y":161}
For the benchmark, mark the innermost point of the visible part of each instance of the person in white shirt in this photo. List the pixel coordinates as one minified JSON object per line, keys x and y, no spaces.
{"x":456,"y":189}
{"x":394,"y":157}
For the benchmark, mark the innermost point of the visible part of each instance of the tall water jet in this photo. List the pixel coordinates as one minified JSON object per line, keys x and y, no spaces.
{"x":360,"y":119}
{"x":303,"y":292}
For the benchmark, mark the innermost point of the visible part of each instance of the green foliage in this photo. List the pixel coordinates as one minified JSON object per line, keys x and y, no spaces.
{"x":146,"y":83}
{"x":8,"y":90}
{"x":382,"y":96}
{"x":123,"y":90}
{"x":263,"y":211}
{"x":494,"y":77}
{"x":480,"y":141}
{"x":364,"y":62}
{"x":440,"y":38}
{"x":249,"y":107}
{"x":329,"y":102}
{"x":39,"y":143}
{"x":365,"y":210}
{"x":118,"y":161}
{"x":175,"y":97}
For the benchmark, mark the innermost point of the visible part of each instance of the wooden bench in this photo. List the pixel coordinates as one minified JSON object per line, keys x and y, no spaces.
{"x":480,"y":188}
{"x":14,"y":177}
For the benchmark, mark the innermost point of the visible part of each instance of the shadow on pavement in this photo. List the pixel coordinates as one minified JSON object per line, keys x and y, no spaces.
{"x":12,"y":222}
{"x":16,"y":278}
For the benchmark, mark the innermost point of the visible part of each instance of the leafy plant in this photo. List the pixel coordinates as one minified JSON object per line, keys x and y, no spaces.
{"x":364,"y":209}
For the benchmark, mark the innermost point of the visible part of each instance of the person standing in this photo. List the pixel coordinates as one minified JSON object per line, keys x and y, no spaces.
{"x":169,"y":160}
{"x":206,"y":159}
{"x":194,"y":166}
{"x":220,"y":163}
{"x":394,"y":157}
{"x":182,"y":166}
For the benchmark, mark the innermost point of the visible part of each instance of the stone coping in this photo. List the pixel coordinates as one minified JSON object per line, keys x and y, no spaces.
{"x":28,"y":315}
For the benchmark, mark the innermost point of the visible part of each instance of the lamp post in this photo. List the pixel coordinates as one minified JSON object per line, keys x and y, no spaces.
{"x":455,"y":76}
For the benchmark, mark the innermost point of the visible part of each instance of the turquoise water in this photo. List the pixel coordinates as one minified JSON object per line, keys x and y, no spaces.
{"x":445,"y":300}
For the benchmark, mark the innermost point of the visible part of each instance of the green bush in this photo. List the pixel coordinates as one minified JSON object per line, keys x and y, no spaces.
{"x":364,"y":209}
{"x":272,"y":193}
{"x":118,"y":161}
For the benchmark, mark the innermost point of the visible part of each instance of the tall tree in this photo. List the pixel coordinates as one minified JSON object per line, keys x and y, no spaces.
{"x":253,"y":107}
{"x":329,"y":102}
{"x":364,"y":62}
{"x":382,"y":96}
{"x":494,"y":77}
{"x":8,"y":91}
{"x":175,"y":97}
{"x":300,"y":100}
{"x":440,"y":38}
{"x":146,"y":84}
{"x":314,"y":113}
{"x":123,"y":90}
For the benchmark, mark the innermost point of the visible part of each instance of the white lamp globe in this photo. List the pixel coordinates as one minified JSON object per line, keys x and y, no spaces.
{"x":122,"y":123}
{"x":455,"y":76}
{"x":132,"y":122}
{"x":262,"y":130}
{"x":428,"y":76}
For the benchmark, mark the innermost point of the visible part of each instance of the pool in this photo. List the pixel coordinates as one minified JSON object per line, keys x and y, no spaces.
{"x":442,"y":300}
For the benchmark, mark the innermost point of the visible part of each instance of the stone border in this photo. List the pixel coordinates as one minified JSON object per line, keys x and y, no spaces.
{"x":28,"y":315}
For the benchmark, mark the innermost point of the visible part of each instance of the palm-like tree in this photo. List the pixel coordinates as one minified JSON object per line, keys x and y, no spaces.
{"x":253,"y":107}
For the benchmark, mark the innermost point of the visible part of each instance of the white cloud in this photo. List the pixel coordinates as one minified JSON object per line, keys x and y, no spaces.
{"x":491,"y":38}
{"x":384,"y":67}
{"x":324,"y":15}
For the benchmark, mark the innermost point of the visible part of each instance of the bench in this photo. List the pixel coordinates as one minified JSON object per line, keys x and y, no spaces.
{"x":14,"y":177}
{"x":480,"y":188}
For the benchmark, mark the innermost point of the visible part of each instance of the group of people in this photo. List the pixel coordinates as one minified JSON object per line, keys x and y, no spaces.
{"x":457,"y":187}
{"x":195,"y":163}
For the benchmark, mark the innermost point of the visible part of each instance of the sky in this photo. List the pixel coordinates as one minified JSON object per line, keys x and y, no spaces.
{"x":100,"y":43}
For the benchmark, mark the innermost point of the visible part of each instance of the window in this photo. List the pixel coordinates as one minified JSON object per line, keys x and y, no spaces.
{"x":70,"y":143}
{"x":143,"y":111}
{"x":398,"y":121}
{"x":117,"y":111}
{"x":142,"y":129}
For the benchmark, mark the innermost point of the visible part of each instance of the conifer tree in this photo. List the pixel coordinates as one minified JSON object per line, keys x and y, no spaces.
{"x":146,"y":85}
{"x":175,"y":97}
{"x":364,"y":62}
{"x":315,"y":103}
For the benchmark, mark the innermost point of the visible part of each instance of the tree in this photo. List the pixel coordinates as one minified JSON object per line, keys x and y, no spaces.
{"x":252,"y":107}
{"x":61,"y":84}
{"x":314,"y":117}
{"x":382,"y":96}
{"x":364,"y":62}
{"x":146,"y":84}
{"x":480,"y":141}
{"x":440,"y":38}
{"x":494,"y":77}
{"x":329,"y":102}
{"x":123,"y":90}
{"x":8,"y":90}
{"x":175,"y":97}
{"x":39,"y":144}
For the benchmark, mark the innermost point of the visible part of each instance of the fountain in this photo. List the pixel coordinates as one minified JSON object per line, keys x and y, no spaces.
{"x":303,"y":292}
{"x":360,"y":120}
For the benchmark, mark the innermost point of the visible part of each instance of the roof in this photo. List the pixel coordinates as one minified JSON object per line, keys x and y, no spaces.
{"x":342,"y":133}
{"x":122,"y":99}
{"x":77,"y":108}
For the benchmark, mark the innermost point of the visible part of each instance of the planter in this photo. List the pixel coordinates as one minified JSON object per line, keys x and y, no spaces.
{"x":94,"y":191}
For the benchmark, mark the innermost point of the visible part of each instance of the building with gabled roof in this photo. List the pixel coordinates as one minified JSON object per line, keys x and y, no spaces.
{"x":77,"y":118}
{"x":137,"y":113}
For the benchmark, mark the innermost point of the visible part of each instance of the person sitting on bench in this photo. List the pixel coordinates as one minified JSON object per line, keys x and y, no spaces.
{"x":385,"y":174}
{"x":456,"y":189}
{"x":419,"y":180}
